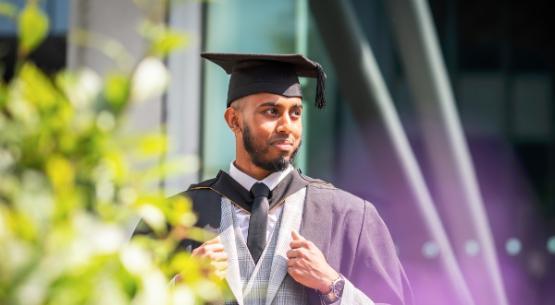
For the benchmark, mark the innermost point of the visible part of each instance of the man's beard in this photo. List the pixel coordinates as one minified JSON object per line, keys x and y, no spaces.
{"x":257,"y":154}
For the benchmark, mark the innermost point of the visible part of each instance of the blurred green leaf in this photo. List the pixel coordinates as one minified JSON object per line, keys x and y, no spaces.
{"x":33,"y":28}
{"x":116,"y":90}
{"x":60,"y":172}
{"x":117,"y":165}
{"x":37,"y":89}
{"x":153,"y":145}
{"x":167,"y":42}
{"x":163,"y":40}
{"x":3,"y":95}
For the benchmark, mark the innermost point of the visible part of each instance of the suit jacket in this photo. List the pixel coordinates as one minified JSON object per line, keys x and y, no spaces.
{"x":347,"y":229}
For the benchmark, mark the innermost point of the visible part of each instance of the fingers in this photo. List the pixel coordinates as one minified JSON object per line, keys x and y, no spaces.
{"x":219,"y":266}
{"x":297,"y":241}
{"x":293,"y":262}
{"x":297,"y":274}
{"x":214,"y":256}
{"x":212,"y":252}
{"x":215,"y":240}
{"x":295,"y":253}
{"x":296,"y":236}
{"x":214,"y":248}
{"x":209,"y":249}
{"x":294,"y":272}
{"x":218,"y":256}
{"x":294,"y":244}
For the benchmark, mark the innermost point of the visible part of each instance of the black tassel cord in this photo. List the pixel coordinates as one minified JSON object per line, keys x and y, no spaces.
{"x":320,"y":87}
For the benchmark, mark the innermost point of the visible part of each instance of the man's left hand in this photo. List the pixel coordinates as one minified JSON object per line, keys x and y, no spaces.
{"x":308,"y":266}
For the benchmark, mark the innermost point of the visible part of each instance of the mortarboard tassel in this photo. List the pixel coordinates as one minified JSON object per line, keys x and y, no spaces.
{"x":320,"y":87}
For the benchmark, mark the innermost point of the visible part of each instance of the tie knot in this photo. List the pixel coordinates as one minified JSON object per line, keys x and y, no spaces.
{"x":260,"y":189}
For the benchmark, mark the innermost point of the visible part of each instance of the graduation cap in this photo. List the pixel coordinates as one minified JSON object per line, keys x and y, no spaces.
{"x":271,"y":73}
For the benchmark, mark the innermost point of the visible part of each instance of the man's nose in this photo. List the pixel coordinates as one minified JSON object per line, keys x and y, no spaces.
{"x":285,"y":124}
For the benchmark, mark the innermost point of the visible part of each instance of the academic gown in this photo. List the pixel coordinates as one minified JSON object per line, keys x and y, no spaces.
{"x":347,"y":229}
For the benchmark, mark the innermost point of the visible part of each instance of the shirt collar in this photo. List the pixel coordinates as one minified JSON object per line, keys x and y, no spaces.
{"x":247,"y":181}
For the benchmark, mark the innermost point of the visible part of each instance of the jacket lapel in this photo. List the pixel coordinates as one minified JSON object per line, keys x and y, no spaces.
{"x":315,"y":213}
{"x":227,"y":238}
{"x":290,"y":220}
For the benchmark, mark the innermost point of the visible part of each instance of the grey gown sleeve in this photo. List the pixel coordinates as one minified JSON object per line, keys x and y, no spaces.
{"x":378,"y":274}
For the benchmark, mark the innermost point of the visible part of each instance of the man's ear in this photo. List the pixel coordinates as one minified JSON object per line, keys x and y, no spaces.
{"x":231,"y":116}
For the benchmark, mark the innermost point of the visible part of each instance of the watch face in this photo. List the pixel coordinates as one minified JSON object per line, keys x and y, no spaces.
{"x":338,"y":287}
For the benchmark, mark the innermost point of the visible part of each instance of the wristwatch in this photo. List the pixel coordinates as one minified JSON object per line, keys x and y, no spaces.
{"x":336,"y":291}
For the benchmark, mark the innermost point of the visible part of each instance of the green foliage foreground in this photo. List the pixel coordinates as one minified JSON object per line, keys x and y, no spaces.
{"x":70,"y":188}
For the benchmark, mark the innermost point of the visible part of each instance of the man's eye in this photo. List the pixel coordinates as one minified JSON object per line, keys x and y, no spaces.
{"x":271,"y":111}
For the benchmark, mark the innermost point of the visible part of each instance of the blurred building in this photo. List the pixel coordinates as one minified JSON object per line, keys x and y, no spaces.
{"x":414,"y":72}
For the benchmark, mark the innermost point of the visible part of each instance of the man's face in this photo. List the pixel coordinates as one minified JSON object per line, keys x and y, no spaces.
{"x":271,"y":129}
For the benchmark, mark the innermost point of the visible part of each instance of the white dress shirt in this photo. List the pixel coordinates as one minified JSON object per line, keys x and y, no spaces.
{"x":247,"y":182}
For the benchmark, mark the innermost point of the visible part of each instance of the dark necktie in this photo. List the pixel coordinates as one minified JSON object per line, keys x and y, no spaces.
{"x":258,"y":222}
{"x":226,"y":186}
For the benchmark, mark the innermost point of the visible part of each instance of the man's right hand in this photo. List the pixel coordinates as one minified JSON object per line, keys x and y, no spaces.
{"x":213,"y":250}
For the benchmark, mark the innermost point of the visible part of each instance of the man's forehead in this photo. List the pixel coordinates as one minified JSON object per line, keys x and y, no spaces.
{"x":259,"y":99}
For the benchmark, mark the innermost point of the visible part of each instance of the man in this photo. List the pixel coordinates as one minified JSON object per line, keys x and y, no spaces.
{"x":285,"y":238}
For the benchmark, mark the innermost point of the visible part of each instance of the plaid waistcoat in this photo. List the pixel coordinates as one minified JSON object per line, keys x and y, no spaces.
{"x":255,"y":279}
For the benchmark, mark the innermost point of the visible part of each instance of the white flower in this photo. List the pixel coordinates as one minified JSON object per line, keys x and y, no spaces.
{"x":183,"y":296}
{"x":149,"y":80}
{"x":108,"y":239}
{"x":85,"y":89}
{"x":153,"y":216}
{"x":155,"y":289}
{"x":135,"y":259}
